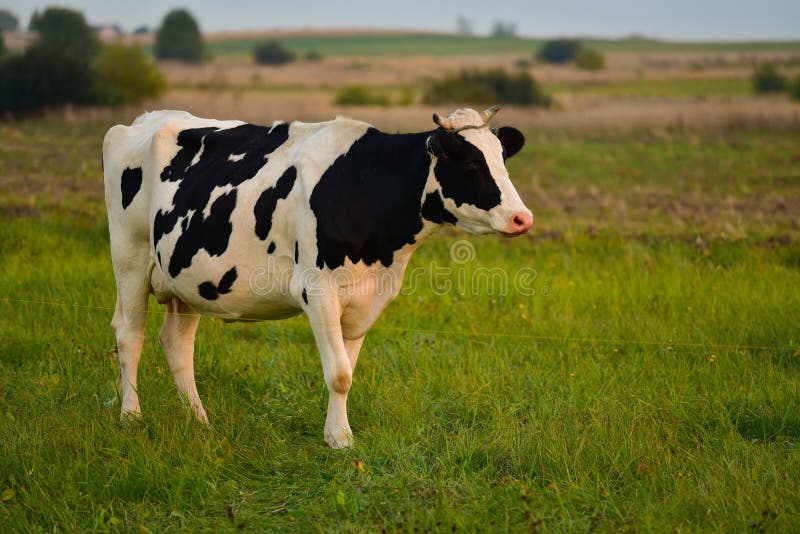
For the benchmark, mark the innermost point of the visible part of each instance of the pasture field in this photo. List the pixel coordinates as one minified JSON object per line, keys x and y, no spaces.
{"x":415,"y":43}
{"x":647,"y":378}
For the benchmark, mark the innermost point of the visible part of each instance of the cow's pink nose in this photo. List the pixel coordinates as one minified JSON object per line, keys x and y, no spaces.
{"x":520,"y":223}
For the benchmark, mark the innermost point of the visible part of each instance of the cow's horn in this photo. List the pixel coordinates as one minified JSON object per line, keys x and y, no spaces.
{"x":489,"y":113}
{"x":441,"y":121}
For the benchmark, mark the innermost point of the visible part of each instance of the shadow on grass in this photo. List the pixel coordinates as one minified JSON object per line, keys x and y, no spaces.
{"x":765,"y":421}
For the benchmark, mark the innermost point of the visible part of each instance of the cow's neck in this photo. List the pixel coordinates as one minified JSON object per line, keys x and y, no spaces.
{"x":368,"y":204}
{"x":406,"y":157}
{"x":397,"y":175}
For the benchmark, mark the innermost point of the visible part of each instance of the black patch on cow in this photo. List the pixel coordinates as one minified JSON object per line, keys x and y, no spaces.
{"x":433,"y":209}
{"x":210,"y":233}
{"x":268,"y":201}
{"x":305,"y":296}
{"x":213,"y":149}
{"x":209,"y":291}
{"x":130,"y":183}
{"x":271,"y":247}
{"x":367,"y":203}
{"x":296,"y":252}
{"x":462,"y":171}
{"x":158,"y":255}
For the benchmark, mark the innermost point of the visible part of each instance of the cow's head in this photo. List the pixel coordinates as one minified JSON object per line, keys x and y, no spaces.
{"x":471,"y":173}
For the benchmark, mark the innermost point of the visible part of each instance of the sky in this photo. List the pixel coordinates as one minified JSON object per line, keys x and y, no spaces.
{"x":673,"y":19}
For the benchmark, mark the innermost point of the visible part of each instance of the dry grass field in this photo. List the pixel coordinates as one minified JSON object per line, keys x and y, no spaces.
{"x":637,"y":90}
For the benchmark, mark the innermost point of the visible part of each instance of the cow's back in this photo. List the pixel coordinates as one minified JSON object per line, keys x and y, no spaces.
{"x":212,"y":204}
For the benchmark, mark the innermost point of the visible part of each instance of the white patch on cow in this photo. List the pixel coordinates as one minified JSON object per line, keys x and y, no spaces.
{"x":236,"y":157}
{"x":215,"y":194}
{"x":197,"y":156}
{"x":326,"y":141}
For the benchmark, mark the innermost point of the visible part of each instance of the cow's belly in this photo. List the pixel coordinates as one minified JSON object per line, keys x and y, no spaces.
{"x":255,"y":295}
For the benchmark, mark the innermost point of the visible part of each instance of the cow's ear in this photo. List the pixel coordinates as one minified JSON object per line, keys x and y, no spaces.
{"x":511,"y":139}
{"x":442,"y":143}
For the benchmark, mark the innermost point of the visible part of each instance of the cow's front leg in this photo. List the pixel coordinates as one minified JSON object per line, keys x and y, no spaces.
{"x":324,"y":314}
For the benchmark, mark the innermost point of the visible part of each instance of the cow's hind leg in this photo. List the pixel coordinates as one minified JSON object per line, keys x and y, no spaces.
{"x":130,"y":317}
{"x":177,"y":339}
{"x":353,"y":347}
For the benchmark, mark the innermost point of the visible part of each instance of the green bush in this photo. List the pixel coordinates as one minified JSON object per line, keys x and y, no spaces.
{"x":493,"y":86}
{"x":124,"y":74}
{"x":179,"y":38}
{"x":523,"y":63}
{"x":358,"y":95}
{"x":2,"y":47}
{"x":406,"y":97}
{"x":559,"y":51}
{"x":767,"y":79}
{"x":272,"y":53}
{"x":794,"y":88}
{"x":588,"y":59}
{"x":313,"y":56}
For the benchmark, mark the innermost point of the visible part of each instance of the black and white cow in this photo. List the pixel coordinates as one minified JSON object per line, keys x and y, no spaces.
{"x":247,"y":222}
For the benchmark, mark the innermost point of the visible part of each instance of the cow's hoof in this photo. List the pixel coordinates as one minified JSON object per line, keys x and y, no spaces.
{"x":200,"y":415}
{"x":127,"y":417}
{"x":130,"y":415}
{"x":340,"y":440}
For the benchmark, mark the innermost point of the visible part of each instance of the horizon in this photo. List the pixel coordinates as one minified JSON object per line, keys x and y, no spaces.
{"x":683,"y":20}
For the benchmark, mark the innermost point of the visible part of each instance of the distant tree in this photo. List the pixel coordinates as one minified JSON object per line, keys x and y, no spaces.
{"x":64,"y":31}
{"x":179,"y":37}
{"x":141,"y":30}
{"x":767,"y":79}
{"x":504,"y":29}
{"x":272,"y":53}
{"x":55,"y":70}
{"x":8,"y":21}
{"x":794,"y":88}
{"x":67,"y":65}
{"x":125,"y":74}
{"x":559,"y":51}
{"x":589,"y":59}
{"x":464,"y":26}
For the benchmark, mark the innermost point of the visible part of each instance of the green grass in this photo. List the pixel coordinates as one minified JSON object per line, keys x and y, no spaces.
{"x":448,"y":44}
{"x":629,"y":392}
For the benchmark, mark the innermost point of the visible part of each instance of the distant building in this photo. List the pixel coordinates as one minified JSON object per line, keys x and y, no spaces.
{"x":108,"y":32}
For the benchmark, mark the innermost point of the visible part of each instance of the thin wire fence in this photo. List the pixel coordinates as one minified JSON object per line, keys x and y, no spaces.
{"x":465,"y":333}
